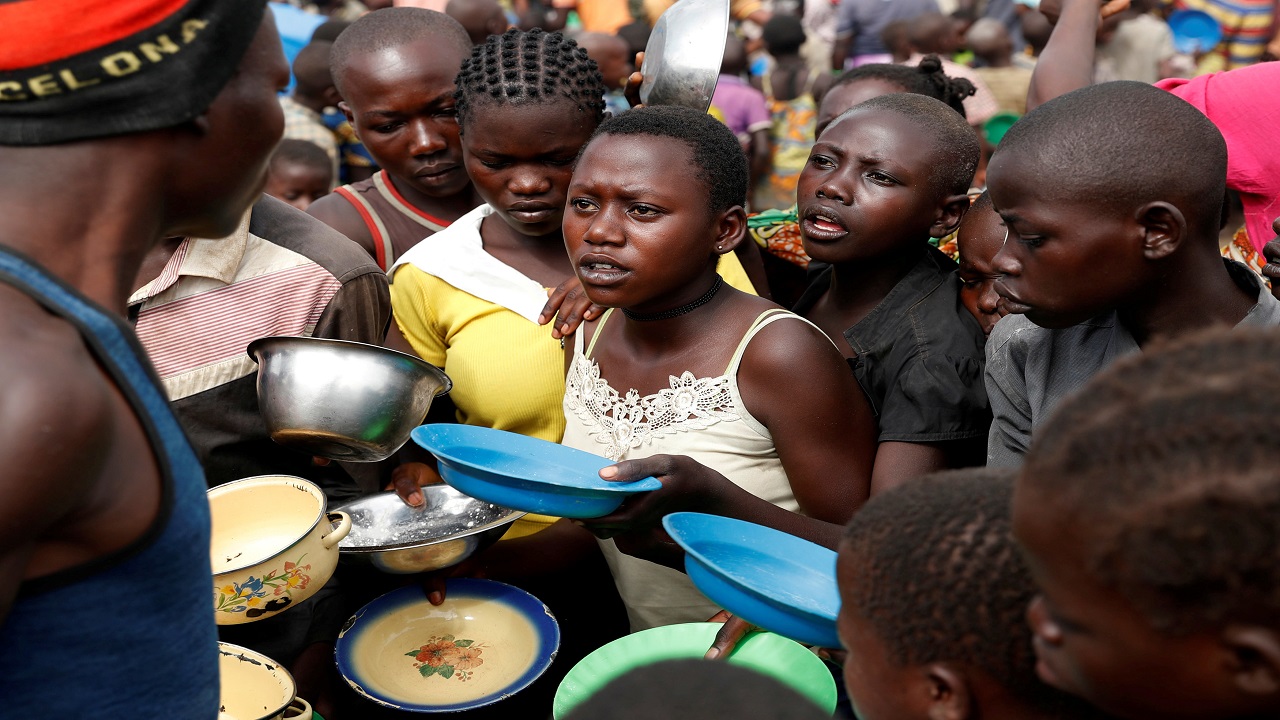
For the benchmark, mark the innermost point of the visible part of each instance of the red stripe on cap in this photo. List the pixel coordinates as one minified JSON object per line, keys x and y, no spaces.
{"x":41,"y":32}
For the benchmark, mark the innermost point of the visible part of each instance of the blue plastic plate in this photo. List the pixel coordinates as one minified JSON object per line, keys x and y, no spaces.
{"x":778,"y":581}
{"x":1194,"y":31}
{"x":486,"y":642}
{"x":525,"y":473}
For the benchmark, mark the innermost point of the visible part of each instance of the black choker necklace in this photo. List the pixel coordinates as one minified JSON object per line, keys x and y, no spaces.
{"x":677,"y":312}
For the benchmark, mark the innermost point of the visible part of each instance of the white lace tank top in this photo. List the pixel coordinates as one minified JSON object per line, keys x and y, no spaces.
{"x":703,"y":418}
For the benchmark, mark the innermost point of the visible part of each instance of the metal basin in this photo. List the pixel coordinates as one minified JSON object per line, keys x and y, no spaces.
{"x":682,"y":59}
{"x":342,"y":400}
{"x":448,"y":528}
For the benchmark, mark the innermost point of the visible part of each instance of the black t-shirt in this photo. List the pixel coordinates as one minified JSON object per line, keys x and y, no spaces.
{"x":919,"y":356}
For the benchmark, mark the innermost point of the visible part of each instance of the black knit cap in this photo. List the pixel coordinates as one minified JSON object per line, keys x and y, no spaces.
{"x":71,"y":70}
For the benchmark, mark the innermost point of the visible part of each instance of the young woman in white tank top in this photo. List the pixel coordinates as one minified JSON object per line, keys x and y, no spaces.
{"x":691,"y":367}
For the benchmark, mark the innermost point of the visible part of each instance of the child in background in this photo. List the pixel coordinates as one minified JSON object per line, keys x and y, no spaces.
{"x":304,"y":107}
{"x":990,"y":42}
{"x":1106,"y":250}
{"x":394,"y":69}
{"x":299,"y":174}
{"x":979,"y":239}
{"x":1147,"y":514}
{"x":935,"y":34}
{"x":790,"y":89}
{"x":934,"y":595}
{"x":692,"y":368}
{"x":882,"y":180}
{"x":743,"y":108}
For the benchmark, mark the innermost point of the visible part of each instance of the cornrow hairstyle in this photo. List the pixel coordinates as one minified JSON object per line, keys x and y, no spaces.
{"x":718,"y":159}
{"x":520,"y":67}
{"x":392,"y":28}
{"x":916,"y":548}
{"x":956,"y":148}
{"x":927,"y":78}
{"x":1166,"y":465}
{"x":1075,"y":136}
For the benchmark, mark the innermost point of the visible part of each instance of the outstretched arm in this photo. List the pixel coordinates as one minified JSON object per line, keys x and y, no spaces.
{"x":1067,"y":61}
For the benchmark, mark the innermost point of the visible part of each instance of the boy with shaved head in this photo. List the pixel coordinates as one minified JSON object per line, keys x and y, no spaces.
{"x":1112,"y":196}
{"x":134,"y":122}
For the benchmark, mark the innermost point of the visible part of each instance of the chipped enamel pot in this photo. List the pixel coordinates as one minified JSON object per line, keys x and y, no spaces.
{"x":252,"y":685}
{"x":274,"y":545}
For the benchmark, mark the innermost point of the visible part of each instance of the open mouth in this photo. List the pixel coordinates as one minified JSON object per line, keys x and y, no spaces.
{"x":823,"y":224}
{"x":600,"y":271}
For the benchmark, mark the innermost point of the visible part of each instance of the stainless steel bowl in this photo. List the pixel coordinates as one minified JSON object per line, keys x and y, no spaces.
{"x":448,"y":528}
{"x":682,"y":59}
{"x":342,"y":400}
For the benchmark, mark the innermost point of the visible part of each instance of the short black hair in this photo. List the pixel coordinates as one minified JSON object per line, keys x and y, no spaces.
{"x":1167,"y":462}
{"x":783,"y":34}
{"x":301,"y":152}
{"x":521,"y":67}
{"x":1122,"y":144}
{"x":391,"y":28}
{"x":329,"y":30}
{"x":694,"y":690}
{"x":927,"y":78}
{"x":311,"y":68}
{"x":941,"y":579}
{"x":718,"y":159}
{"x":956,"y":147}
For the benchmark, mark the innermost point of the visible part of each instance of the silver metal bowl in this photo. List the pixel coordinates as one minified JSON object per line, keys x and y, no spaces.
{"x":682,"y":59}
{"x":448,"y":528}
{"x":342,"y":400}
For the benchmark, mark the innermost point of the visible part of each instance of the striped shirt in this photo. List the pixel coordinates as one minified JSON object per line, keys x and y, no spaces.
{"x":281,"y":273}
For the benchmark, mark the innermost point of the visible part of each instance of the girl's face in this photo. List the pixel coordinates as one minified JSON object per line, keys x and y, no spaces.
{"x":981,"y":235}
{"x":843,"y":97}
{"x":520,"y":159}
{"x":638,"y":227}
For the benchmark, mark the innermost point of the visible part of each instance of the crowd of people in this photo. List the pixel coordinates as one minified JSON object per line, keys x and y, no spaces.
{"x":976,"y":294}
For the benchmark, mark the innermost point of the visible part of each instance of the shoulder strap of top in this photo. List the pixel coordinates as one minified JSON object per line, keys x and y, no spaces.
{"x":381,"y":238}
{"x":599,"y":326}
{"x":763,"y":320}
{"x":387,"y":190}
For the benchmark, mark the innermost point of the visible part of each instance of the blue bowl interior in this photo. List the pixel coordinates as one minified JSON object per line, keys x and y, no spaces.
{"x":1194,"y":30}
{"x":409,"y":599}
{"x":782,"y":570}
{"x":519,"y":461}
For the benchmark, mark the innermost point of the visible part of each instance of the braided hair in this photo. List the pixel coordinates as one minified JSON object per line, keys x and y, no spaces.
{"x":529,"y":67}
{"x":927,"y":78}
{"x":919,"y":547}
{"x":1165,"y":464}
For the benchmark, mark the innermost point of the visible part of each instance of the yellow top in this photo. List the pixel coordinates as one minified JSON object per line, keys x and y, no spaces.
{"x":507,"y":371}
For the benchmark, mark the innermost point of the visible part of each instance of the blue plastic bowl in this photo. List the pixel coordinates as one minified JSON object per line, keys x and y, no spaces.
{"x":777,"y":581}
{"x":1194,"y":31}
{"x":525,"y":473}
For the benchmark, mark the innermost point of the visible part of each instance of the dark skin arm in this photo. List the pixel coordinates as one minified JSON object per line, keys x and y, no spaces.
{"x":760,"y":155}
{"x":336,"y":212}
{"x":1067,"y":61}
{"x":898,"y":462}
{"x":1272,"y":253}
{"x":840,"y":51}
{"x":818,"y":425}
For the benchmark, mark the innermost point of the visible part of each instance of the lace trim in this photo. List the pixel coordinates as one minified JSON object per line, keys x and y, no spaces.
{"x":622,"y":423}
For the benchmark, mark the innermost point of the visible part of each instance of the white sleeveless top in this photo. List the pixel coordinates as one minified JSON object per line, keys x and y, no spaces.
{"x":703,"y":418}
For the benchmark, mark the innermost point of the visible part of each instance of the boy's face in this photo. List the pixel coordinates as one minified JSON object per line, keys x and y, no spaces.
{"x":878,"y":688}
{"x":520,"y":158}
{"x":1091,"y":642}
{"x":636,"y":231}
{"x":867,"y":189}
{"x":298,"y":184}
{"x":1064,"y":262}
{"x":400,"y":102}
{"x":981,"y":235}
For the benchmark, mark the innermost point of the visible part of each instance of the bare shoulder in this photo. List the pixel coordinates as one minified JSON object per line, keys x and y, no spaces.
{"x":338,"y":213}
{"x":790,"y":345}
{"x":56,"y":407}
